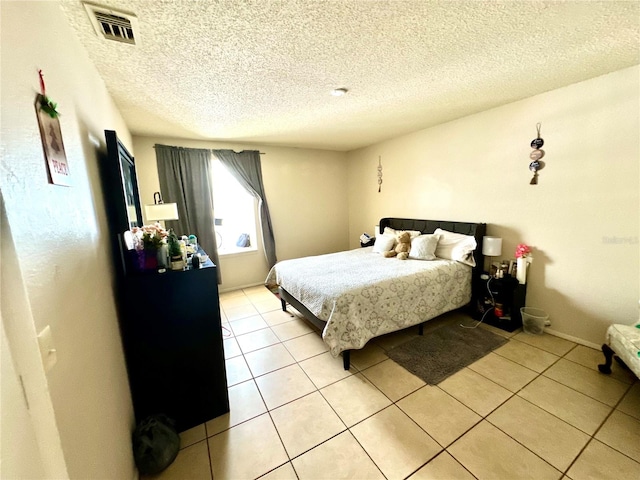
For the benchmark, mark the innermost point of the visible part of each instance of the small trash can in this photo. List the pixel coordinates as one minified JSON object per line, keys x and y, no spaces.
{"x":533,"y":320}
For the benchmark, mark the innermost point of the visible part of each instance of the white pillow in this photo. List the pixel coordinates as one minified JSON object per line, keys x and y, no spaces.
{"x":456,"y":246}
{"x":391,"y":231}
{"x":423,"y":247}
{"x":384,"y":243}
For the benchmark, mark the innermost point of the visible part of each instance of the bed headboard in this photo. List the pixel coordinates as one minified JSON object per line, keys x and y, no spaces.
{"x":478,"y":230}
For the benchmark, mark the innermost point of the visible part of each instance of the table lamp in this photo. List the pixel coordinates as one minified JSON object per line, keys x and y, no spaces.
{"x":492,"y":246}
{"x":160,"y":210}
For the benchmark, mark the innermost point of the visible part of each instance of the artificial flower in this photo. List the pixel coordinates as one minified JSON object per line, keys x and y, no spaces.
{"x":522,"y":250}
{"x":149,"y":237}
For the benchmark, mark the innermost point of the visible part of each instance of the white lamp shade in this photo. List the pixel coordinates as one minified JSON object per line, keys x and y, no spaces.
{"x":161,"y":211}
{"x":492,"y":246}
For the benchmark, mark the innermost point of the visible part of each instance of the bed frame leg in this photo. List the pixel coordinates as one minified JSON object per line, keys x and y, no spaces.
{"x":346,"y":359}
{"x":608,"y":356}
{"x":284,"y":305}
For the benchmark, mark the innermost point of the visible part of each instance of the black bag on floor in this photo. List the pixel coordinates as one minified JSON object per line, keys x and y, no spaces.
{"x":155,"y":444}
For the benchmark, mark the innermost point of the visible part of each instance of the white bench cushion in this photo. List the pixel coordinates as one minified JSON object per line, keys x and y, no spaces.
{"x":625,"y":341}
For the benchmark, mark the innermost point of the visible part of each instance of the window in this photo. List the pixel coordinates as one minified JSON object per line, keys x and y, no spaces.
{"x":235,"y":212}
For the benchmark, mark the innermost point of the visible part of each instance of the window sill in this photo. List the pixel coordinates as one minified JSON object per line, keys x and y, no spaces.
{"x":237,"y":252}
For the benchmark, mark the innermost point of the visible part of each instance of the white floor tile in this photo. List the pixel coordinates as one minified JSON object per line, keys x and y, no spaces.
{"x":588,"y":381}
{"x":305,"y":423}
{"x":192,"y":462}
{"x":445,"y":418}
{"x":405,"y":448}
{"x":601,"y":462}
{"x":622,"y":432}
{"x":269,"y":359}
{"x":443,"y":467}
{"x":342,"y":457}
{"x":245,"y":403}
{"x":544,"y":434}
{"x":324,"y":369}
{"x":354,"y":399}
{"x":488,"y":453}
{"x":573,"y":407}
{"x":284,"y":386}
{"x":393,"y":380}
{"x":475,"y":391}
{"x":248,"y":450}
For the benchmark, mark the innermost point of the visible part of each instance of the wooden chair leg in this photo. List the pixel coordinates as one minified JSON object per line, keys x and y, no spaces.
{"x":608,"y":357}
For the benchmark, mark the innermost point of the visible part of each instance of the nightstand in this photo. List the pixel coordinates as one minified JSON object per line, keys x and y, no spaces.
{"x":369,"y":243}
{"x":508,"y":293}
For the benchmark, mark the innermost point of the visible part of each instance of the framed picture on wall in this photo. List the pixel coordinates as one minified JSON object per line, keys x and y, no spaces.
{"x":56,"y":159}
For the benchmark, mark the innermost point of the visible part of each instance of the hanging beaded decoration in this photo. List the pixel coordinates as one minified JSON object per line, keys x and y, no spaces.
{"x":536,"y":155}
{"x":46,"y":104}
{"x":379,"y":174}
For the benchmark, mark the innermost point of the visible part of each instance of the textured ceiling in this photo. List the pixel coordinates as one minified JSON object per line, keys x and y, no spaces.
{"x":261,"y":71}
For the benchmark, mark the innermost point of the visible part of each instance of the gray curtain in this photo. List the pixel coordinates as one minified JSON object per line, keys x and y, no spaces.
{"x":245,"y":167}
{"x":185,"y":178}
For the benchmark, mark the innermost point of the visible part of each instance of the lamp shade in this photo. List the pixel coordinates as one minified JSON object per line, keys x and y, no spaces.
{"x":161,"y":211}
{"x":492,"y":246}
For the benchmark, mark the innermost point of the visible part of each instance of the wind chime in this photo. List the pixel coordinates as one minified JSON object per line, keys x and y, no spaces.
{"x":536,"y":155}
{"x":379,"y":174}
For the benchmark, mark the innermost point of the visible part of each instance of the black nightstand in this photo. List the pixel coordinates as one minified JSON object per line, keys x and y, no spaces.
{"x":508,"y":293}
{"x":369,"y":243}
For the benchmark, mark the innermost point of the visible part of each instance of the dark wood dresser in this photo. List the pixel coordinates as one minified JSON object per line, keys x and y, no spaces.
{"x":172,"y":336}
{"x":169,"y":322}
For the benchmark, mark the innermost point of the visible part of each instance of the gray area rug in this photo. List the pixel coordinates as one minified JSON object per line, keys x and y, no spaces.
{"x":442,"y":352}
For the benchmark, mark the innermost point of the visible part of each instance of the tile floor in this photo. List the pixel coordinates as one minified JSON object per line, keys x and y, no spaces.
{"x":534,"y":408}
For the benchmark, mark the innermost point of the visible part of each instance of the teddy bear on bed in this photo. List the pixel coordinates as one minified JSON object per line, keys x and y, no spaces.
{"x":403,"y":247}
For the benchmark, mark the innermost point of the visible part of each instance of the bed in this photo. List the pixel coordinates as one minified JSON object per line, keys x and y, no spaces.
{"x":357,"y":295}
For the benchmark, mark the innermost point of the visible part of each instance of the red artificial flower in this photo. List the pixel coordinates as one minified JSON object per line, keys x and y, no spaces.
{"x":522,"y":250}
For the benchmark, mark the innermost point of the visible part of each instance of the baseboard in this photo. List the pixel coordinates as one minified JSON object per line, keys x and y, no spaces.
{"x":239,"y":287}
{"x":572,"y":338}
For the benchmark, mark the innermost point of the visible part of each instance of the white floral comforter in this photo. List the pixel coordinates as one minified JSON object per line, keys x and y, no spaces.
{"x":362,"y":295}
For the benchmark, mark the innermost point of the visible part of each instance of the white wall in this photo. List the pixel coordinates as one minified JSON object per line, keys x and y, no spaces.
{"x":582,"y":219}
{"x":62,"y":263}
{"x":306,"y":193}
{"x":20,"y":455}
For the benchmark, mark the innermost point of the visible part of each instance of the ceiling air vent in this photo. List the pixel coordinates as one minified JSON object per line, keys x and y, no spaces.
{"x":113,"y":24}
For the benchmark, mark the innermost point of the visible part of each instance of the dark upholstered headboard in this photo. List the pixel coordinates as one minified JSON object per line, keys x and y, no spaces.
{"x":478,"y":230}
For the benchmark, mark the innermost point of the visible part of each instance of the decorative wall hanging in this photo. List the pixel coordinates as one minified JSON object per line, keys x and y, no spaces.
{"x":379,"y":174}
{"x":536,"y":155}
{"x":51,"y":135}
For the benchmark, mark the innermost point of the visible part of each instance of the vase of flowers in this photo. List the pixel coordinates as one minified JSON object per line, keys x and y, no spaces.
{"x":523,"y":259}
{"x":149,"y":241}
